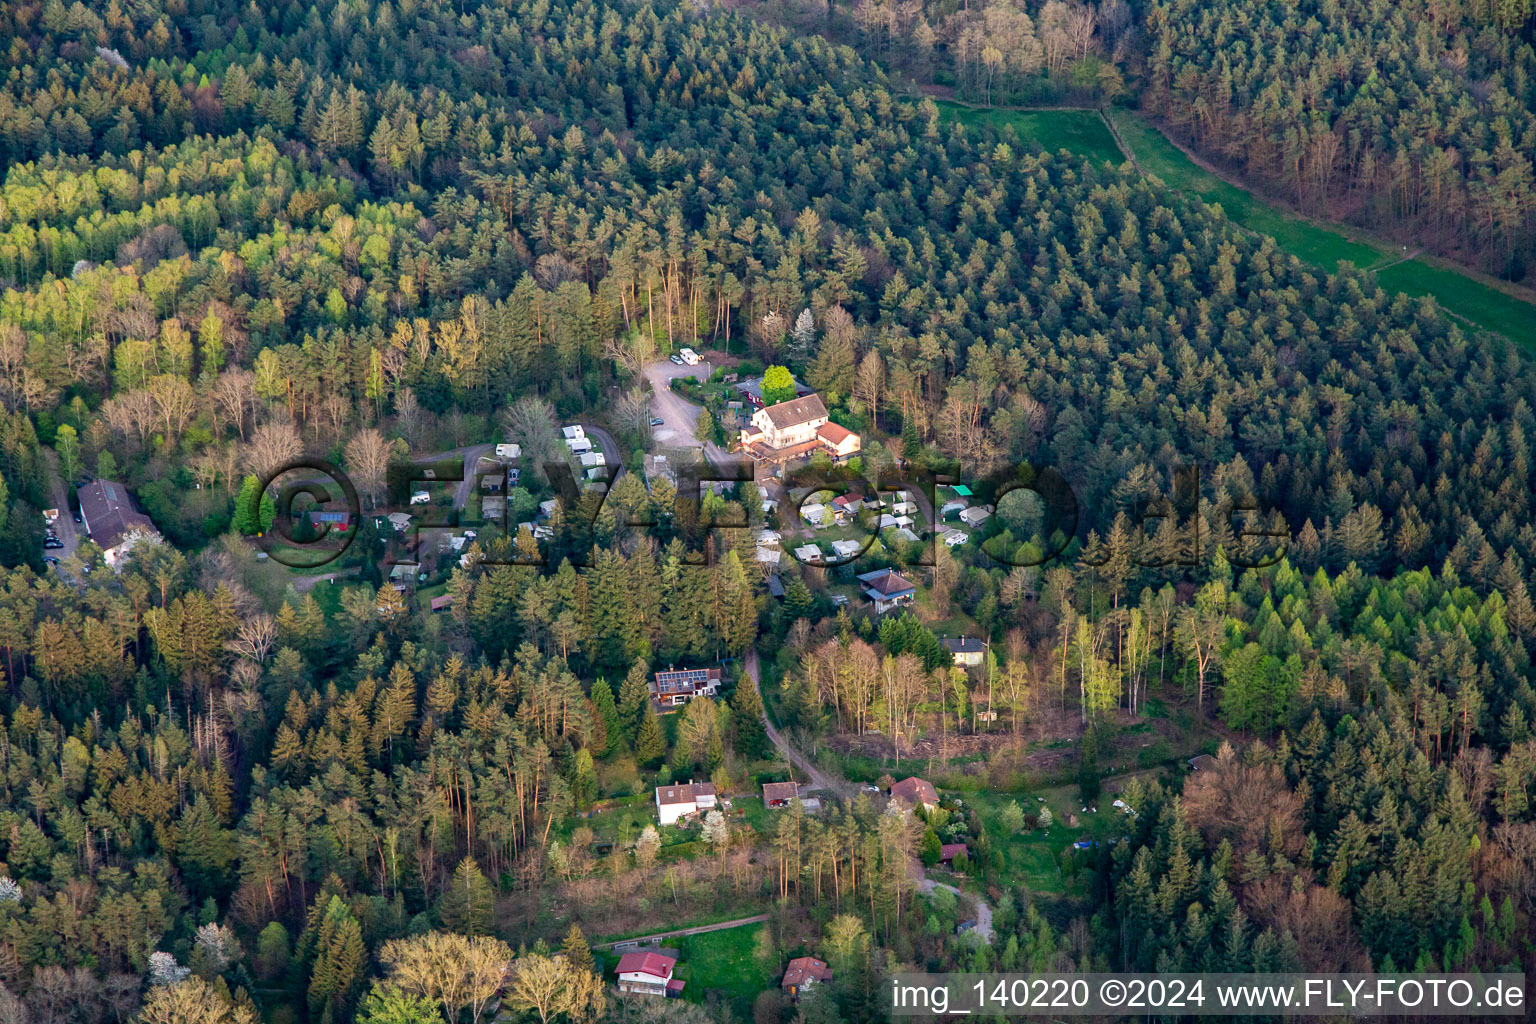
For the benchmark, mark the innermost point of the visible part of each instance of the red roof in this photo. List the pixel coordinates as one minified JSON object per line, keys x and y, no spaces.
{"x":833,"y":434}
{"x":949,"y":851}
{"x":915,"y":790}
{"x":654,"y":964}
{"x":803,"y":969}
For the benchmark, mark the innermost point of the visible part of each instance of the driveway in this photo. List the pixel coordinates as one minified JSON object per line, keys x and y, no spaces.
{"x":817,"y":779}
{"x":605,"y":440}
{"x":680,"y":415}
{"x":983,"y":911}
{"x":471,"y":456}
{"x":58,"y":497}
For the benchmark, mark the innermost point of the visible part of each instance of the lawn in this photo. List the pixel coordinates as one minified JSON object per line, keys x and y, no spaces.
{"x":1078,"y":131}
{"x":1460,"y":293}
{"x":727,"y":961}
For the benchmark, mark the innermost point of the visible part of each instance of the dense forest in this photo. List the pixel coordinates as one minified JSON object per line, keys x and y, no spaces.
{"x":233,"y":233}
{"x":1415,"y":120}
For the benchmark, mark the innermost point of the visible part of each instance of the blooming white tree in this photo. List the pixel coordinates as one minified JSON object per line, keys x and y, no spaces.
{"x":164,"y":970}
{"x":10,"y":892}
{"x":219,"y":946}
{"x":716,"y":832}
{"x":648,"y":846}
{"x":804,"y":334}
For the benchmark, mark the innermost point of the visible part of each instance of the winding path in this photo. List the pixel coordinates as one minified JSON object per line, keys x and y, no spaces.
{"x":817,"y":778}
{"x":847,"y":790}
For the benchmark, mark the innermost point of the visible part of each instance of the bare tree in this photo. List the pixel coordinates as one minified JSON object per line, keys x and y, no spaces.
{"x":458,"y":971}
{"x":254,"y":638}
{"x":551,"y":986}
{"x":409,"y":414}
{"x":273,"y":444}
{"x":368,"y":455}
{"x":233,"y":394}
{"x":175,"y":402}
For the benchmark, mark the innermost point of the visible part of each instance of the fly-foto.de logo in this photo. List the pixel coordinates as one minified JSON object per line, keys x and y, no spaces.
{"x":313,"y":510}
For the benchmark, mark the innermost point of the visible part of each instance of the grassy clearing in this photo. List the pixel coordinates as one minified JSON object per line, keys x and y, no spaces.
{"x":1460,"y":293}
{"x":730,"y":961}
{"x":1078,"y":131}
{"x":1315,"y":244}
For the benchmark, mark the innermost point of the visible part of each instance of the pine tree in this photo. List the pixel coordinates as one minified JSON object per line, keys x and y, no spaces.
{"x":204,"y":850}
{"x":338,"y":966}
{"x":634,"y":698}
{"x":650,"y":744}
{"x":747,"y":721}
{"x":469,"y":903}
{"x":577,"y":952}
{"x":606,"y":710}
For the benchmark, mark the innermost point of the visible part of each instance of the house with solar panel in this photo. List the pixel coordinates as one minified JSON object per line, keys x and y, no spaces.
{"x":111,"y":520}
{"x":677,"y":686}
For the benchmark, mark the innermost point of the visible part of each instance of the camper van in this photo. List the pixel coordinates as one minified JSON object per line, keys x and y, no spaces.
{"x":689,"y":356}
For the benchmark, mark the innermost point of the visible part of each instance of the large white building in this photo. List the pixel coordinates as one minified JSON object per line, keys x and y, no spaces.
{"x":794,"y":429}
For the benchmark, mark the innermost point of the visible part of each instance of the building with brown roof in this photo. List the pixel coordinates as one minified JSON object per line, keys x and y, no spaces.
{"x":676,"y":802}
{"x":112,"y":521}
{"x":916,"y":791}
{"x":886,"y":589}
{"x":779,"y":794}
{"x":796,"y":428}
{"x":802,"y":973}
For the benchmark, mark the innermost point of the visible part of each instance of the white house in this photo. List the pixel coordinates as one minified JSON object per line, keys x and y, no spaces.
{"x":579,"y":445}
{"x":974,"y":517}
{"x":675,"y":802}
{"x":808,"y":553}
{"x":421,"y":497}
{"x":845,"y":549}
{"x":573,"y":432}
{"x":509,"y":452}
{"x":815,"y":514}
{"x":648,"y":974}
{"x":967,"y":650}
{"x":796,"y":428}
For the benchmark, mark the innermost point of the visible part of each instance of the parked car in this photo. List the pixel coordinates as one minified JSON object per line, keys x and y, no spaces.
{"x":657,"y":421}
{"x":676,"y":359}
{"x":50,"y":560}
{"x":53,"y":543}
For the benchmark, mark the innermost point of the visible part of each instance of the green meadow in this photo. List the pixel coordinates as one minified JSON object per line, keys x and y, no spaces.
{"x":1477,"y":300}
